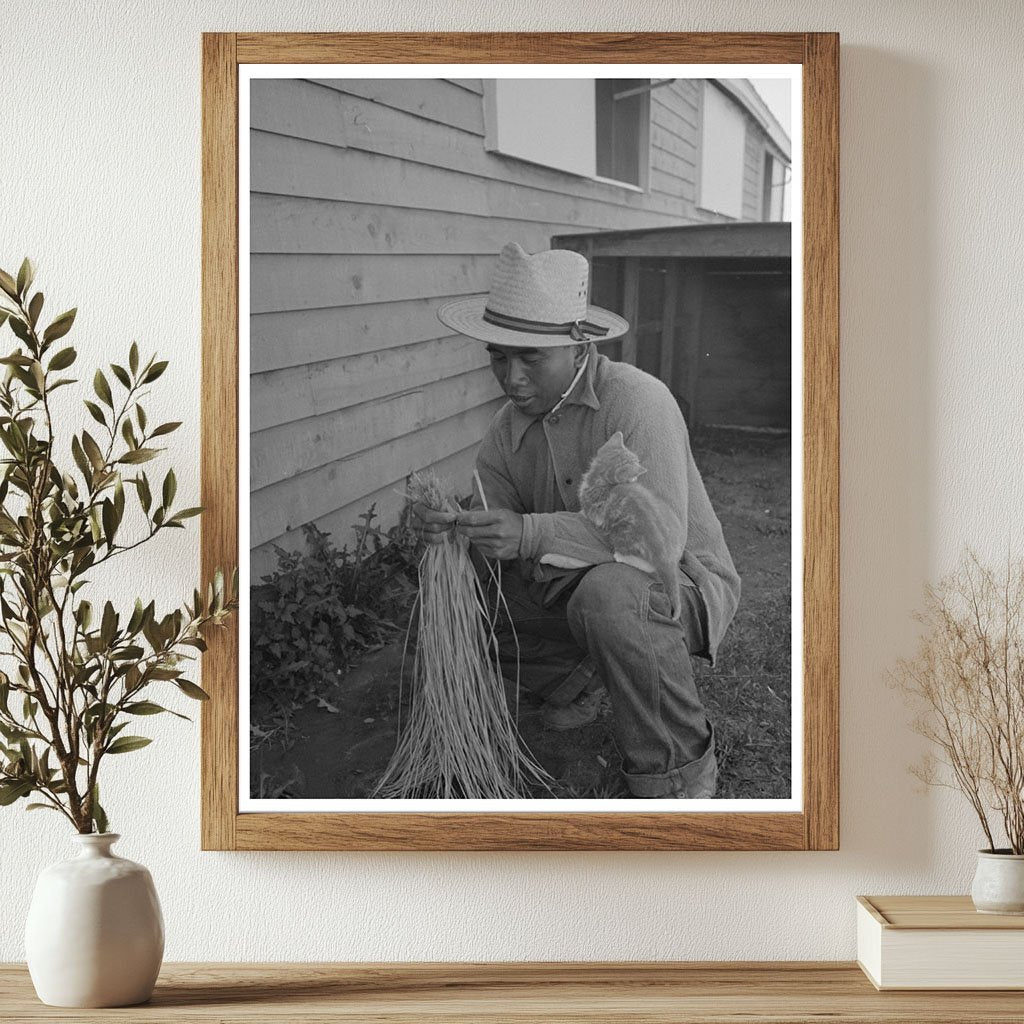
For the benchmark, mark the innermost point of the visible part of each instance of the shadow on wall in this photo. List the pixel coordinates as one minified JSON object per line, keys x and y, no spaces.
{"x":887,"y":286}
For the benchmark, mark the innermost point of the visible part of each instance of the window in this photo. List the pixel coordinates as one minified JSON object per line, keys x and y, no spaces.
{"x":621,"y":128}
{"x":583,"y":126}
{"x":723,"y":138}
{"x":773,"y":189}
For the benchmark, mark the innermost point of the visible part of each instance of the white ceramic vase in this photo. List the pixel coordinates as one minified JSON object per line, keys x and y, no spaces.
{"x":95,"y":933}
{"x":999,"y":882}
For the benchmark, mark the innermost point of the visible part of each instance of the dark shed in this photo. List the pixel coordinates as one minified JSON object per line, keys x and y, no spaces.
{"x":710,"y":308}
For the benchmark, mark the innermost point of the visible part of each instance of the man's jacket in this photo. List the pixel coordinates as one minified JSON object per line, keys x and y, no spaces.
{"x":533,"y":465}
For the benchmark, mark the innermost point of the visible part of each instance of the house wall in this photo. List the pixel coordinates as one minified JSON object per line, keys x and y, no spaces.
{"x":372,"y":202}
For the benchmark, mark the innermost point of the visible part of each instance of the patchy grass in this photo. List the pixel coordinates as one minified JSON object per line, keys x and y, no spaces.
{"x":340,"y":743}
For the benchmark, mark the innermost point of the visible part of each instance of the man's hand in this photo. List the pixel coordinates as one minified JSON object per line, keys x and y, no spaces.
{"x":496,"y":533}
{"x":432,"y":526}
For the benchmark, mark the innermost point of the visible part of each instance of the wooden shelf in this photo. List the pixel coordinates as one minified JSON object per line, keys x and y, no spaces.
{"x":696,"y":993}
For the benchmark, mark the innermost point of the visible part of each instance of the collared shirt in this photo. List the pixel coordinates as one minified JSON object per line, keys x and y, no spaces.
{"x":533,"y":465}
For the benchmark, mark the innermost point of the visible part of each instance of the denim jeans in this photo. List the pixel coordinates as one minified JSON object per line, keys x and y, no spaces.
{"x":610,"y":624}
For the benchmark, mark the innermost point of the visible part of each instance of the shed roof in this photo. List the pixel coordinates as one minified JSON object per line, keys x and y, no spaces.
{"x":740,"y":239}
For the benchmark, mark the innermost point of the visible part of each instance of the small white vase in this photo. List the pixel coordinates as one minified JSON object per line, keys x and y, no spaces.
{"x":999,"y":882}
{"x":95,"y":933}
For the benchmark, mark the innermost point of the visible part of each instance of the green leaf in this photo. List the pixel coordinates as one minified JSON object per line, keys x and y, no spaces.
{"x":154,"y":371}
{"x":165,"y":428}
{"x":26,"y":274}
{"x":138,"y":455}
{"x":128,"y":433}
{"x":109,"y":521}
{"x":143,"y":707}
{"x":133,"y":358}
{"x":125,"y":744}
{"x":20,"y":328}
{"x":96,"y":412}
{"x":84,"y":614}
{"x":34,"y":308}
{"x":121,"y":374}
{"x":63,"y":359}
{"x":8,"y":284}
{"x":147,"y":707}
{"x":16,"y":359}
{"x":92,"y":449}
{"x":191,"y":690}
{"x":109,"y":625}
{"x":60,"y":326}
{"x":185,"y":513}
{"x":102,"y":388}
{"x":145,"y":498}
{"x":80,"y":459}
{"x":140,"y":415}
{"x":42,"y":807}
{"x":99,"y":816}
{"x":14,"y":790}
{"x":119,"y":499}
{"x":170,"y":488}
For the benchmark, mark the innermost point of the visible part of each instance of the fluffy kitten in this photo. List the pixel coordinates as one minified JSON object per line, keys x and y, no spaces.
{"x":640,"y":528}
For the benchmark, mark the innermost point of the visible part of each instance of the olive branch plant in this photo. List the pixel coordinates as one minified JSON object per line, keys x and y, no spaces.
{"x":80,"y":674}
{"x":967,"y":681}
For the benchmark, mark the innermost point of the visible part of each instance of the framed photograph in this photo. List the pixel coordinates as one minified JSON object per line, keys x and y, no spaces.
{"x":520,"y":419}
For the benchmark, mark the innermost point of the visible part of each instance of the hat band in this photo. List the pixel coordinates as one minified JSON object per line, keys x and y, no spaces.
{"x":578,"y":330}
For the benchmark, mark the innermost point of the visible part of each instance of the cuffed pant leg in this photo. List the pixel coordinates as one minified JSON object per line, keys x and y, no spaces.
{"x":621,"y":617}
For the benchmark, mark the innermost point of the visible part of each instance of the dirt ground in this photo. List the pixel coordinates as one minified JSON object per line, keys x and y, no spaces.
{"x":339,"y":746}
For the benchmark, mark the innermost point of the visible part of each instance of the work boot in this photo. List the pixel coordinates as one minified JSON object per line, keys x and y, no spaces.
{"x":703,"y":786}
{"x":581,"y":711}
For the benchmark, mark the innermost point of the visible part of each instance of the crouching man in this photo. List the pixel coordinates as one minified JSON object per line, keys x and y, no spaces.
{"x":584,"y":621}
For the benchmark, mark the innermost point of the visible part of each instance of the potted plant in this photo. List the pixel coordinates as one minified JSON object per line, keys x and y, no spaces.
{"x":81,"y":672}
{"x":967,"y":679}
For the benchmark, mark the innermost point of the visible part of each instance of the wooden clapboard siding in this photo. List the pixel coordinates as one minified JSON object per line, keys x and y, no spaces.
{"x":288,"y":166}
{"x":431,"y":99}
{"x":753,"y":171}
{"x":298,"y":392}
{"x":372,"y":202}
{"x":301,"y":336}
{"x":470,"y":84}
{"x":291,"y":448}
{"x":677,"y":118}
{"x":358,"y":124}
{"x":282,"y":282}
{"x":669,"y":143}
{"x":287,"y":224}
{"x":274,"y":509}
{"x":387,"y":503}
{"x":313,"y":281}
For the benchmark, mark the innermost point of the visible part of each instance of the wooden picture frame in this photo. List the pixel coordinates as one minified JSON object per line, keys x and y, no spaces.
{"x":816,"y":825}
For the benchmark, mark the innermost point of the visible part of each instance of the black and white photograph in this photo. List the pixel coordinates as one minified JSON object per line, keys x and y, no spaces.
{"x":520,"y":379}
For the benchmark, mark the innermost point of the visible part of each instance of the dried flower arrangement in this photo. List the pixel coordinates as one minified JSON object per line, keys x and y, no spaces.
{"x":968,"y":678}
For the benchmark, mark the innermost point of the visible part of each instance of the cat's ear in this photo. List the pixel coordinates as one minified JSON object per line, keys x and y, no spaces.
{"x":616,"y":440}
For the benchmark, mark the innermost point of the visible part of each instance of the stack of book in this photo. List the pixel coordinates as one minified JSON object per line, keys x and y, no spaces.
{"x":938,"y":942}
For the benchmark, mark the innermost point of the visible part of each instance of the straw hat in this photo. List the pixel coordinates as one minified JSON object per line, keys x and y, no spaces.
{"x":535,"y":301}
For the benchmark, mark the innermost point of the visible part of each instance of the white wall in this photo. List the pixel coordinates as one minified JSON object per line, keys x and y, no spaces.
{"x":100,"y":182}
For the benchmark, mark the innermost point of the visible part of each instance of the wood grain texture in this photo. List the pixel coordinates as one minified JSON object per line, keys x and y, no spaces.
{"x":223,"y":827}
{"x":381,"y":831}
{"x":525,"y":993}
{"x":821,"y":440}
{"x":219,"y":429}
{"x":520,"y":47}
{"x":936,"y":912}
